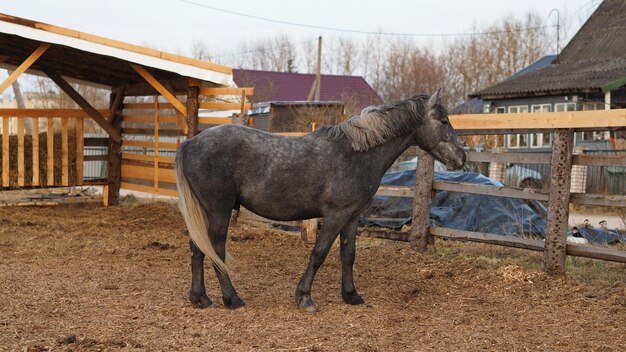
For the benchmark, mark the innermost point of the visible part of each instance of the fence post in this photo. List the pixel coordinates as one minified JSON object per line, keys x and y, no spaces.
{"x":558,"y":207}
{"x":192,"y":109}
{"x":422,"y":200}
{"x":114,"y":174}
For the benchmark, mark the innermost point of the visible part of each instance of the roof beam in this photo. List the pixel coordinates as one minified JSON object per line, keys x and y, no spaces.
{"x":24,"y":66}
{"x":160,"y":88}
{"x":84,"y":104}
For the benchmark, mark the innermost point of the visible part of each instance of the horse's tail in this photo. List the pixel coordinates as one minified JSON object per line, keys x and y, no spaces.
{"x":195,"y":216}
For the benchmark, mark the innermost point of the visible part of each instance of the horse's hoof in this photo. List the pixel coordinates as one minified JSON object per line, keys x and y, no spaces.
{"x":305,"y":302}
{"x":200,"y":300}
{"x":234,"y":303}
{"x":352,"y":298}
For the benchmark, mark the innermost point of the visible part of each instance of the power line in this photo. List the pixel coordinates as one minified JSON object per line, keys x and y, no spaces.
{"x":356,"y":31}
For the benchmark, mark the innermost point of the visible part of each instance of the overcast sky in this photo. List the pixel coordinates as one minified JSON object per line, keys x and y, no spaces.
{"x":174,"y":25}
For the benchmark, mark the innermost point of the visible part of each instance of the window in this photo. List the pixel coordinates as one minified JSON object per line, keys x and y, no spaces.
{"x":561,"y":107}
{"x":592,"y":135}
{"x":500,"y":110}
{"x":518,"y":109}
{"x":517,"y":140}
{"x":539,"y":140}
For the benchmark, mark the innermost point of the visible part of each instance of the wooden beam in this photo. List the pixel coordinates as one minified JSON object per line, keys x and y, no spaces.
{"x":65,"y":160}
{"x":20,"y":152}
{"x":114,"y":153}
{"x":160,"y":88}
{"x":80,"y":157}
{"x":6,"y":134}
{"x":24,"y":66}
{"x":50,"y":152}
{"x":226,"y":91}
{"x":35,"y":146}
{"x":539,"y":120}
{"x":116,"y":104}
{"x":193,"y":103}
{"x":84,"y":104}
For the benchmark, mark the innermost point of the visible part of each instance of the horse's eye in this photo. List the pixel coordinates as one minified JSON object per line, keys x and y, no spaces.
{"x":445,"y":121}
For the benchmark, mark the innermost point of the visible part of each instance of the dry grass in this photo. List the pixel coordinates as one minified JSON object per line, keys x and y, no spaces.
{"x":86,"y":278}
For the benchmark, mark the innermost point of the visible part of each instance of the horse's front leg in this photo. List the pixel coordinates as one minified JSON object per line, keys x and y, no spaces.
{"x":325,"y":239}
{"x":347,"y":250}
{"x":197,"y":294}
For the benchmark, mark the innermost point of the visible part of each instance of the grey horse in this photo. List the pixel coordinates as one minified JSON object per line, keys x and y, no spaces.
{"x":331,"y":173}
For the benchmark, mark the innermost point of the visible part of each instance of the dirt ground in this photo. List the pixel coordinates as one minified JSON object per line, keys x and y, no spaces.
{"x":86,"y":278}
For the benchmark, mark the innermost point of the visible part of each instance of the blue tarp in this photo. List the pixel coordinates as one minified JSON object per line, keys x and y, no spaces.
{"x":471,"y":212}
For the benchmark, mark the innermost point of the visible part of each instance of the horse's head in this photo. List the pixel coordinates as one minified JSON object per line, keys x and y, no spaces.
{"x":437,"y":137}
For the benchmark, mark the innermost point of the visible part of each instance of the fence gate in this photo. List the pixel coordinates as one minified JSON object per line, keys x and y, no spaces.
{"x":152,"y":130}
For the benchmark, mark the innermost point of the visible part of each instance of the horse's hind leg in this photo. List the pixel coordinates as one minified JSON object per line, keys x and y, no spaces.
{"x":347,"y":252}
{"x":197,"y":294}
{"x":218,"y":230}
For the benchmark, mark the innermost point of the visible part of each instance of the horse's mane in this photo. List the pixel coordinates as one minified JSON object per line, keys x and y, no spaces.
{"x":377,"y":124}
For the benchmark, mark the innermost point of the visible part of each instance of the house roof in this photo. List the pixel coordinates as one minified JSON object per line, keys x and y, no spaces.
{"x":95,"y":60}
{"x":593,"y":61}
{"x":286,"y":86}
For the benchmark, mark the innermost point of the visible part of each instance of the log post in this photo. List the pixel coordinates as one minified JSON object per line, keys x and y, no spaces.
{"x":558,"y":208}
{"x":114,"y":151}
{"x":192,"y":109}
{"x":422,"y":201}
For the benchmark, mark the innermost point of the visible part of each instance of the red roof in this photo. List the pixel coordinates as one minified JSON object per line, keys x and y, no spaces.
{"x":285,"y":86}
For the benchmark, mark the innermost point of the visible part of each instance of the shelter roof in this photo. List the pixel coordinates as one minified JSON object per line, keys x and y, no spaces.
{"x":95,"y":60}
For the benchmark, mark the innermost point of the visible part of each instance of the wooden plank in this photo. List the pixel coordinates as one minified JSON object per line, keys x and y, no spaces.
{"x":227,"y":91}
{"x":85,"y":105}
{"x":80,"y":157}
{"x":490,"y":190}
{"x":27,"y":113}
{"x":148,"y":144}
{"x":148,"y":158}
{"x":160,"y":88}
{"x":65,"y":163}
{"x":558,"y":208}
{"x":149,"y":189}
{"x":20,"y":152}
{"x":96,"y":142}
{"x":214,"y":120}
{"x":148,"y":131}
{"x":537,"y":120}
{"x":50,"y":152}
{"x":6,"y":165}
{"x":145,"y":173}
{"x":150,"y":118}
{"x":95,"y":158}
{"x":223,"y":106}
{"x":522,"y":158}
{"x":147,"y":106}
{"x":613,"y":255}
{"x":508,"y":241}
{"x":24,"y":66}
{"x":35,"y":153}
{"x":192,"y":103}
{"x":396,"y":191}
{"x":292,"y":134}
{"x":155,"y":170}
{"x":599,"y":160}
{"x":606,"y":200}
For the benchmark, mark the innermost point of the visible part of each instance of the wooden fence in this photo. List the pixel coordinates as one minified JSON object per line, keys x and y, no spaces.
{"x":562,"y":126}
{"x":46,"y":148}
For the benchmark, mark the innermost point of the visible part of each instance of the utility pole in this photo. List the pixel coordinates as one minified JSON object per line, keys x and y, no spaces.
{"x":558,"y":30}
{"x":315,"y":88}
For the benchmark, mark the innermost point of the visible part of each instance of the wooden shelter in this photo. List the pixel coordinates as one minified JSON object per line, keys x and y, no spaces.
{"x":68,"y":56}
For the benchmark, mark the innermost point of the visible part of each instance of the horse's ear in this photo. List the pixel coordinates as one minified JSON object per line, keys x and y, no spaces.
{"x":434,"y":99}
